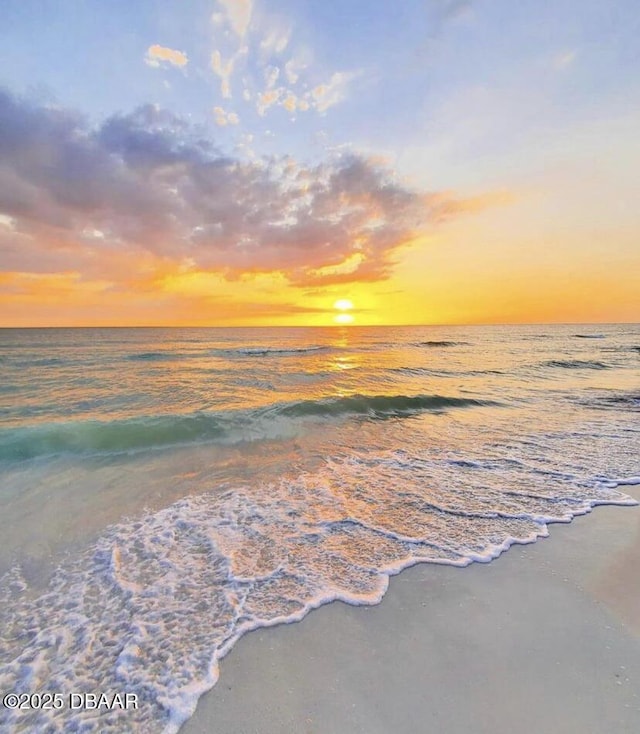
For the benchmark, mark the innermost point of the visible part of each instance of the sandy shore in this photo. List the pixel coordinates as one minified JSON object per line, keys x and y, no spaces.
{"x":545,"y":639}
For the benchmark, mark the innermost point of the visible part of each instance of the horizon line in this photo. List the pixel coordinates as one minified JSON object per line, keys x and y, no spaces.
{"x":327,"y":326}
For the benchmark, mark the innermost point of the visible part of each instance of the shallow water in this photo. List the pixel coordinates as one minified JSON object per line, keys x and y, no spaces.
{"x":165,"y":491}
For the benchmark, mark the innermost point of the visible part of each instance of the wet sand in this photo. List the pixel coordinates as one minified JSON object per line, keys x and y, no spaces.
{"x":544,"y":639}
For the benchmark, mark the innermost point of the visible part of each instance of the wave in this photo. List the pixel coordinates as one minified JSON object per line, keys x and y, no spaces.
{"x":589,"y":336}
{"x":118,"y":436}
{"x":43,"y":362}
{"x":416,"y":371}
{"x":622,"y":348}
{"x":153,"y":356}
{"x":619,"y":401}
{"x":426,"y":371}
{"x":269,"y":351}
{"x":9,"y":388}
{"x":162,"y":431}
{"x":378,"y":406}
{"x":223,"y":352}
{"x":440,"y":343}
{"x":576,"y":364}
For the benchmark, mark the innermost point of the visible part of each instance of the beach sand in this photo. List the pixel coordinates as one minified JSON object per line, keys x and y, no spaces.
{"x":544,"y":639}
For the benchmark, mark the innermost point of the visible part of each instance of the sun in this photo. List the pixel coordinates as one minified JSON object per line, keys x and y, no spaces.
{"x":343,"y":305}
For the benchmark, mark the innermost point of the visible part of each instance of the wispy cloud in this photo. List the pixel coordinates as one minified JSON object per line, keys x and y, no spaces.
{"x":275,"y":39}
{"x":223,"y":69}
{"x":447,"y":205}
{"x":8,"y":222}
{"x":334,"y":91}
{"x":158,"y":55}
{"x":320,"y":98}
{"x":267,"y":99}
{"x":564,"y":59}
{"x":259,"y":49}
{"x":292,"y":69}
{"x":237,"y":13}
{"x":223,"y":118}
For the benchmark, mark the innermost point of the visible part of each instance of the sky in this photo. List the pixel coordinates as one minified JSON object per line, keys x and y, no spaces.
{"x":244,"y":162}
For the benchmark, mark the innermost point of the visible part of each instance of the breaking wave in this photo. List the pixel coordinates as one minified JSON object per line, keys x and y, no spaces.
{"x":143,"y":433}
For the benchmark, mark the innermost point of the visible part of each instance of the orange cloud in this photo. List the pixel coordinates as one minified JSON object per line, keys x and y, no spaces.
{"x":223,"y":69}
{"x":157,"y":54}
{"x":446,"y":205}
{"x":223,"y":118}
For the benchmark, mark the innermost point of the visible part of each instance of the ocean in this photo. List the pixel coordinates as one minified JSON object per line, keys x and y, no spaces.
{"x":164,"y":491}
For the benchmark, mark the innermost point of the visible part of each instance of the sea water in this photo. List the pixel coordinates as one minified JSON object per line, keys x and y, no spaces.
{"x":164,"y":491}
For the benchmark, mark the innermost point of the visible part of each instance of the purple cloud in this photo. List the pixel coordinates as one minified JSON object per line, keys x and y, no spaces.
{"x":149,"y":181}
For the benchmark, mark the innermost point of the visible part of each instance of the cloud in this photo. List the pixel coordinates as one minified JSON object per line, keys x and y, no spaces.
{"x":334,"y":91}
{"x":254,"y":43}
{"x":446,"y":205}
{"x":8,"y":222}
{"x":267,"y":99}
{"x":320,"y":98}
{"x":271,"y":74}
{"x":147,"y":187}
{"x":292,"y":69}
{"x":156,"y":55}
{"x":223,"y":118}
{"x":237,"y":13}
{"x":290,"y":102}
{"x":223,"y":69}
{"x":276,"y":39}
{"x":564,"y":59}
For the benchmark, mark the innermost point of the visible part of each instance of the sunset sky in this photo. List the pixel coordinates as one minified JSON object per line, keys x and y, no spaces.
{"x":247,"y":162}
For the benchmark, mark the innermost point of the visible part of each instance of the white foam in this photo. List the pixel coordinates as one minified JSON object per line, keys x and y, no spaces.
{"x":628,"y":481}
{"x":156,"y":603}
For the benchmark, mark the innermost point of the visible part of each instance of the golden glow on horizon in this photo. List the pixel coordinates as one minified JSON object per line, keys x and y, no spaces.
{"x":343,"y":305}
{"x":467,"y":274}
{"x":343,"y":318}
{"x":447,"y":284}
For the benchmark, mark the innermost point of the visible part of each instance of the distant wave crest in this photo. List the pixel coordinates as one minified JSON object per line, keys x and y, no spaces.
{"x":378,"y":405}
{"x":576,"y":364}
{"x":440,"y":343}
{"x":165,"y":355}
{"x":269,"y":351}
{"x":617,"y":401}
{"x":153,"y":356}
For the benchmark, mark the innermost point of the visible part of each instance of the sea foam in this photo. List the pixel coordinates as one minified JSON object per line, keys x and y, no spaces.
{"x":155,"y":603}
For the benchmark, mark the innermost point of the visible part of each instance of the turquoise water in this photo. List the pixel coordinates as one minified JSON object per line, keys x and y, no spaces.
{"x":164,"y":491}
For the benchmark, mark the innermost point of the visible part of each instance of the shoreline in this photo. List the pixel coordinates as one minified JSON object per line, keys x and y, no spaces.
{"x":544,"y":638}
